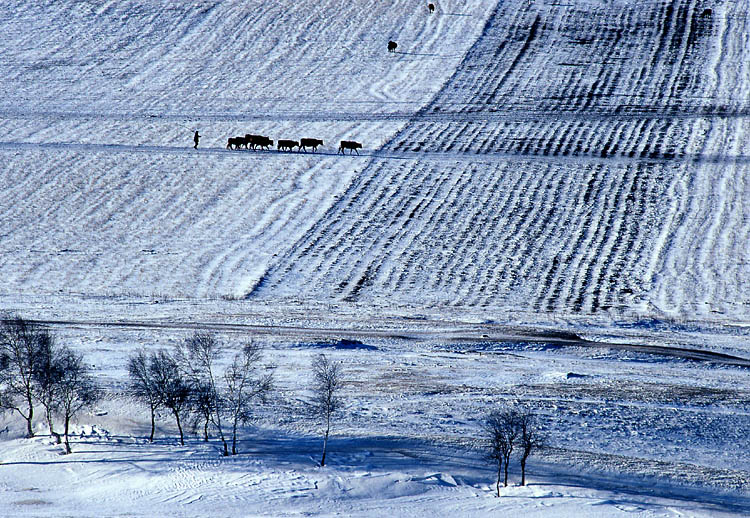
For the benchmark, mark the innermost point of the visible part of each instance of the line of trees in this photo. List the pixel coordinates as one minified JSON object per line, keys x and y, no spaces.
{"x":187,"y":384}
{"x":36,"y":371}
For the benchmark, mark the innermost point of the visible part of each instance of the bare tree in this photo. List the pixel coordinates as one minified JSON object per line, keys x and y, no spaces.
{"x":76,"y":388}
{"x":47,"y":375}
{"x":143,"y":385}
{"x":173,"y":388}
{"x":20,"y":343}
{"x":502,"y":431}
{"x":327,"y":382}
{"x":201,"y":408}
{"x":493,"y":435}
{"x":245,"y":384}
{"x":197,"y":356}
{"x":530,"y":439}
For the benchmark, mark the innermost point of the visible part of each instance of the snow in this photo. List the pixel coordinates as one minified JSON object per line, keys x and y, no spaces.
{"x":114,"y":476}
{"x":550,"y":208}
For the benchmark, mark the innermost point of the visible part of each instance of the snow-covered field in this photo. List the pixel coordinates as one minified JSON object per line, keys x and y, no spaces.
{"x":528,"y":168}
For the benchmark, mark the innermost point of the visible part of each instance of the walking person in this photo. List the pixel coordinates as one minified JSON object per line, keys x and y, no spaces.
{"x":196,"y":138}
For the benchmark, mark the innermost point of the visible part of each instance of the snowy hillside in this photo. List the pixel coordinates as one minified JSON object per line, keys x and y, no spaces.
{"x":579,"y":159}
{"x":98,"y":131}
{"x":584,"y":157}
{"x":551,"y":207}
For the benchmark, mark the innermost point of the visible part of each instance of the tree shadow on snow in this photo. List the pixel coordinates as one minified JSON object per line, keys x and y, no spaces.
{"x":422,"y":460}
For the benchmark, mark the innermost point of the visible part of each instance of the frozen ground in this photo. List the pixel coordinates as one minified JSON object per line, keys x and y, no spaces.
{"x":532,"y":173}
{"x":630,"y":434}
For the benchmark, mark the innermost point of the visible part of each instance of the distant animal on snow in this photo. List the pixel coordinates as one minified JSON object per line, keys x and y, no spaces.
{"x":256,"y":141}
{"x":392,"y":45}
{"x":350,"y":145}
{"x":431,"y":7}
{"x":287,"y":144}
{"x":707,"y":12}
{"x":310,"y":142}
{"x":236,"y":142}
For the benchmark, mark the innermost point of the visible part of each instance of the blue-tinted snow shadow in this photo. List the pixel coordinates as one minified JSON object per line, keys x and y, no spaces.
{"x":343,"y":344}
{"x":631,"y":489}
{"x":422,"y":460}
{"x":427,"y":54}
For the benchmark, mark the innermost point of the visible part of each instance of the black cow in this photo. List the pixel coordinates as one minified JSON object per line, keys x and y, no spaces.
{"x":310,"y":142}
{"x":256,"y":141}
{"x":431,"y":7}
{"x":392,"y":45}
{"x":287,"y":144}
{"x":236,"y":142}
{"x":350,"y":145}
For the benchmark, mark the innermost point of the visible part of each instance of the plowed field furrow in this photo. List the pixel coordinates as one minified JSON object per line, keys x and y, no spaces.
{"x":678,"y":50}
{"x":490,"y":273}
{"x":579,"y":221}
{"x":585,"y":262}
{"x":397,"y":277}
{"x":549,"y":285}
{"x":536,"y":249}
{"x":568,"y":259}
{"x":337,"y":250}
{"x":463,"y":220}
{"x":609,"y":257}
{"x":481,"y":279}
{"x":569,"y":236}
{"x":645,"y":221}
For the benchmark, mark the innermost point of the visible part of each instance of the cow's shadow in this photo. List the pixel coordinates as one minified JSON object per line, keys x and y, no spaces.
{"x":423,"y":54}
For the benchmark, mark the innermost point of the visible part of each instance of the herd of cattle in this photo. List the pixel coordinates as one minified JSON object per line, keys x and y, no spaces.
{"x":255,"y":142}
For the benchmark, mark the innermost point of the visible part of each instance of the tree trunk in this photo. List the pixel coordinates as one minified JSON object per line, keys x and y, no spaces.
{"x":29,"y":426}
{"x":67,"y":427}
{"x":179,"y":427}
{"x":499,"y":476}
{"x":234,"y":437}
{"x":50,"y":423}
{"x":205,"y":431}
{"x":325,"y":446}
{"x":217,"y":423}
{"x":507,"y":461}
{"x":153,"y":424}
{"x":523,"y":471}
{"x":325,"y":440}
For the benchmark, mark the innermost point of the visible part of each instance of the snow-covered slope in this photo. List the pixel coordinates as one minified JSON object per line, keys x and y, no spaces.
{"x":552,"y":158}
{"x":584,"y":157}
{"x":101,"y":190}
